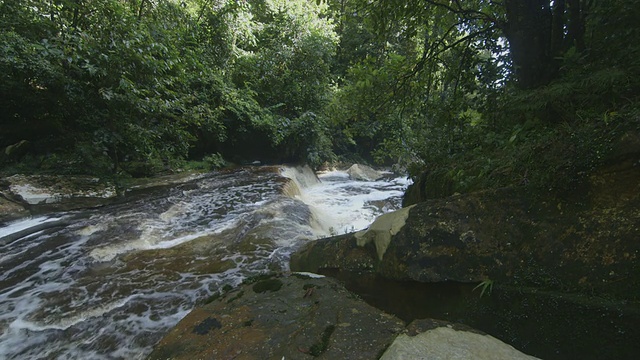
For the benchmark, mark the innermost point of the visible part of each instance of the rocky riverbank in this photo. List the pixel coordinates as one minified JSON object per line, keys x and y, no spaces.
{"x":583,"y":241}
{"x":302,"y":316}
{"x":25,"y":195}
{"x":566,"y":246}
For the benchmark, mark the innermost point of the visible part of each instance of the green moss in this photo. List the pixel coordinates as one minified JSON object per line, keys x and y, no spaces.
{"x":320,"y":347}
{"x":259,"y":277}
{"x":382,"y":351}
{"x":267,"y":285}
{"x":238,"y":296}
{"x":212,"y":298}
{"x":206,"y":325}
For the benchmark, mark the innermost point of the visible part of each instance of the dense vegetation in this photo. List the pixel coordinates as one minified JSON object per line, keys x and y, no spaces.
{"x":477,"y":93}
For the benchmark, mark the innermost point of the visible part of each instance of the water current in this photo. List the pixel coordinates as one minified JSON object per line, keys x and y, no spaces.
{"x":108,"y":283}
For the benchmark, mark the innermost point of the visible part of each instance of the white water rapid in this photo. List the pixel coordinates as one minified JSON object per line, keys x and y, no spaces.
{"x":109,"y":283}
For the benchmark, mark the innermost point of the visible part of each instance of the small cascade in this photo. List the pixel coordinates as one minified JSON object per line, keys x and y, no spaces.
{"x":344,"y":205}
{"x":301,"y":178}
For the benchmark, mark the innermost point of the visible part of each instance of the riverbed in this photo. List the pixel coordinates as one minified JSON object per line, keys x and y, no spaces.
{"x":108,"y":283}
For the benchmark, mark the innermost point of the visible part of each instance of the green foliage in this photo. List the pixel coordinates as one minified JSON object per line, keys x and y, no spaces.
{"x":321,"y":346}
{"x":208,"y":163}
{"x":442,"y":97}
{"x":287,"y":70}
{"x":485,"y":286}
{"x":110,"y":88}
{"x":215,"y":161}
{"x":113,"y":87}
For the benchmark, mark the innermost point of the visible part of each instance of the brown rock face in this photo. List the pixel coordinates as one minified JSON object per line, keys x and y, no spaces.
{"x":587,"y":240}
{"x":285,"y":317}
{"x":10,"y":211}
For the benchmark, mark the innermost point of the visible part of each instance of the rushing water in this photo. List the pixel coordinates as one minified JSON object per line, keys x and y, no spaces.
{"x":108,"y":283}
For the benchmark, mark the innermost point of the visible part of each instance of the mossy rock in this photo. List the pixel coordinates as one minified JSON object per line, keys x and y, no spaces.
{"x":267,"y":285}
{"x":583,"y":241}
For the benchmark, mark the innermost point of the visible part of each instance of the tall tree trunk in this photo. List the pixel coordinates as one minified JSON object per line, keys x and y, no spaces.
{"x":575,"y":28}
{"x":557,"y":30}
{"x":528,"y":30}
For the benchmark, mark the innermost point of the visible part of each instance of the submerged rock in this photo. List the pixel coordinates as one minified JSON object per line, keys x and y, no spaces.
{"x":304,"y":317}
{"x":583,"y":241}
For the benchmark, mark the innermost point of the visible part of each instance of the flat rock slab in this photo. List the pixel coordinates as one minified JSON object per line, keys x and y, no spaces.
{"x":294,"y":317}
{"x":58,"y":192}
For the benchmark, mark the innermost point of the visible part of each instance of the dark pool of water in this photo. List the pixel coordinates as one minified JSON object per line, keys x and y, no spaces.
{"x":547,"y":325}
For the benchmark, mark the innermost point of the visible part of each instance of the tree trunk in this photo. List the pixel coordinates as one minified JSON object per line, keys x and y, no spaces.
{"x":557,"y":31}
{"x":575,"y":28}
{"x":529,"y":32}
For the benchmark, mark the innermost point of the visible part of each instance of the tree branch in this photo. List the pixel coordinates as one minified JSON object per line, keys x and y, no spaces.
{"x":430,"y":55}
{"x":467,"y":14}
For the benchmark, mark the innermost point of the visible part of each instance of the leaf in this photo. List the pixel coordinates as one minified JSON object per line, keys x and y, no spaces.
{"x":106,"y":94}
{"x":485,"y":285}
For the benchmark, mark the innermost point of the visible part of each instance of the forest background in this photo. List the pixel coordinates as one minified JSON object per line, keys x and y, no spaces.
{"x":472,"y":94}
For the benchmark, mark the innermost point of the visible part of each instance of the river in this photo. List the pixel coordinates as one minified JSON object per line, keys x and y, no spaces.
{"x":113,"y":280}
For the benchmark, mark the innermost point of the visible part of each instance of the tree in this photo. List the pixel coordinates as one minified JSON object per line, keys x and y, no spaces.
{"x":539,"y":33}
{"x":98,"y":84}
{"x":287,"y":68}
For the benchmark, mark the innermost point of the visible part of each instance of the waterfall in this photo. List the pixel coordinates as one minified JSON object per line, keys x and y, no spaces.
{"x":302,"y":176}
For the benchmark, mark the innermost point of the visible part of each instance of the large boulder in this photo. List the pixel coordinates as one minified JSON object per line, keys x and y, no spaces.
{"x":439,"y":340}
{"x":429,"y":185}
{"x":363,"y":173}
{"x":303,"y":316}
{"x":15,"y":151}
{"x":282,"y":318}
{"x":586,"y":240}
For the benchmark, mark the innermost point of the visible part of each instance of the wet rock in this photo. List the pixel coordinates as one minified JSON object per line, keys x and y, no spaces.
{"x":207,"y":325}
{"x":435,"y":340}
{"x":157,"y":182}
{"x":364,"y":173}
{"x":584,"y":241}
{"x":305,"y":318}
{"x":267,"y":285}
{"x":15,"y":151}
{"x":10,"y":211}
{"x":383,"y":228}
{"x":56,"y":192}
{"x":429,"y":185}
